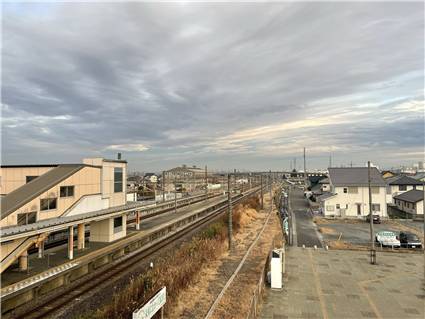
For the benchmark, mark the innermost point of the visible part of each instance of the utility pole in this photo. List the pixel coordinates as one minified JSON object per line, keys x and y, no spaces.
{"x":261,"y":187}
{"x":163,"y":186}
{"x":229,"y":211}
{"x":372,"y":239}
{"x":206,"y":181}
{"x":271,"y":197}
{"x":330,"y":160}
{"x":175,"y":195}
{"x":305,"y":172}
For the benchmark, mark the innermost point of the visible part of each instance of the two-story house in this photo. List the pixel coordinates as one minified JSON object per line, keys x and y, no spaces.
{"x":349,"y":193}
{"x":399,"y":184}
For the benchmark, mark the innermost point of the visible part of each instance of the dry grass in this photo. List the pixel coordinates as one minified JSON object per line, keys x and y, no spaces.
{"x":178,"y":270}
{"x":327,"y":230}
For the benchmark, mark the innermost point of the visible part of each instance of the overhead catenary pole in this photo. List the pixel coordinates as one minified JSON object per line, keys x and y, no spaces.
{"x":229,"y":211}
{"x":175,"y":195}
{"x":163,"y":186}
{"x":270,"y":181}
{"x":261,"y":188}
{"x":305,"y":171}
{"x":372,"y":239}
{"x":206,"y":180}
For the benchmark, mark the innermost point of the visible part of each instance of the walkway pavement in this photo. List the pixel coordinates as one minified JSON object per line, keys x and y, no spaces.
{"x":306,"y":230}
{"x":343,"y":284}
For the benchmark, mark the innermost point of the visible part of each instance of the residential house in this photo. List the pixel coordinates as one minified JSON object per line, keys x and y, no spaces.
{"x":151,"y":178}
{"x":387,"y":174}
{"x":411,"y":202}
{"x":399,"y":184}
{"x":420,"y":177}
{"x":349,"y":193}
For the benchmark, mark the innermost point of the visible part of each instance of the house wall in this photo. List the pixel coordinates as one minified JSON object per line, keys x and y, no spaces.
{"x":348,"y":202}
{"x":326,"y":187}
{"x":411,"y":208}
{"x":12,"y":178}
{"x":394,"y":190}
{"x":85,"y":182}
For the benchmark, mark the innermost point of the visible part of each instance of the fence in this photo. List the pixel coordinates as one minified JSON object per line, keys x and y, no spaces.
{"x":258,"y":293}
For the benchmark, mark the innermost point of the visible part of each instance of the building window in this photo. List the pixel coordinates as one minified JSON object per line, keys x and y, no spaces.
{"x":375,"y":190}
{"x":388,"y":189}
{"x":353,"y":190}
{"x":338,"y":206}
{"x":29,"y":178}
{"x":402,"y":187}
{"x":376,"y":207}
{"x":118,"y":180}
{"x":66,"y":191}
{"x":47,"y":203}
{"x":117,"y":224}
{"x":345,"y":190}
{"x":27,"y":218}
{"x":330,"y":208}
{"x":414,"y":186}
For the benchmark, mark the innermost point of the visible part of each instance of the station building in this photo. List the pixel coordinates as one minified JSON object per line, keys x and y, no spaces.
{"x":32,"y":194}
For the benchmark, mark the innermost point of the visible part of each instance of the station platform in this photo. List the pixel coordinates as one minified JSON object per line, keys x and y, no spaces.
{"x":59,"y":255}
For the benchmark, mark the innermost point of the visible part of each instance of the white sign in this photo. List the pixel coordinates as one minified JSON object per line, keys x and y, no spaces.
{"x":152,"y":306}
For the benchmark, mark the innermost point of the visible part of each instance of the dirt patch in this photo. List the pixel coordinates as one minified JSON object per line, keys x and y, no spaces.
{"x":196,"y":300}
{"x":340,"y":244}
{"x":323,"y":220}
{"x":327,"y":230}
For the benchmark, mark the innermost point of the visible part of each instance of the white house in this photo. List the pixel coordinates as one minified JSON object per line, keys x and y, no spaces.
{"x":399,"y":184}
{"x":325,"y":185}
{"x":349,"y":193}
{"x":411,"y":202}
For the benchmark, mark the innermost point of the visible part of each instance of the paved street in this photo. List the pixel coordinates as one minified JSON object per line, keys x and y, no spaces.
{"x":306,"y":230}
{"x":342,"y":284}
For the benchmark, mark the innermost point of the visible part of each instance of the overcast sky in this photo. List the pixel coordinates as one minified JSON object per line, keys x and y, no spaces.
{"x":228,"y":85}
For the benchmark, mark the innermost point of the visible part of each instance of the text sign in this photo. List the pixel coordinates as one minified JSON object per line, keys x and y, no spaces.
{"x":152,"y":306}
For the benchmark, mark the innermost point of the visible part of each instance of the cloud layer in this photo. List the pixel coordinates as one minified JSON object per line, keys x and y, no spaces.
{"x":228,"y":85}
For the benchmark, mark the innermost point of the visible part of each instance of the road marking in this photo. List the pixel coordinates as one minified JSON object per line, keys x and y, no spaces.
{"x":371,"y":303}
{"x":318,"y":287}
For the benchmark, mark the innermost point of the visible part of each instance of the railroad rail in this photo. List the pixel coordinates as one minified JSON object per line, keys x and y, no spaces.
{"x":129,"y":253}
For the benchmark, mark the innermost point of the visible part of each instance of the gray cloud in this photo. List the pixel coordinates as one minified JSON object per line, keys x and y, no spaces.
{"x":244,"y":85}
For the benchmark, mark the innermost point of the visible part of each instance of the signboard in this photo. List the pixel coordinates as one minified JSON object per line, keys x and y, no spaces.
{"x":152,"y":306}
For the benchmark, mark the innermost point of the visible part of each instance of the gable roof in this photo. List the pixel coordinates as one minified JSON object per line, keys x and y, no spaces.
{"x":419,"y":176}
{"x":24,"y":194}
{"x":403,"y":180}
{"x":412,"y":196}
{"x":355,"y":176}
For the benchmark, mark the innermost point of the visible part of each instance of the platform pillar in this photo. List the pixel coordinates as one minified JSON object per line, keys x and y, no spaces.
{"x":23,"y":261}
{"x":137,"y":220}
{"x":71,"y":242}
{"x":81,"y":236}
{"x":41,"y":249}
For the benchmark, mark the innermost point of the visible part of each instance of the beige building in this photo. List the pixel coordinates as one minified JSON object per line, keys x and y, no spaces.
{"x":397,"y":185}
{"x":349,"y":193}
{"x":185,"y":178}
{"x":56,"y":191}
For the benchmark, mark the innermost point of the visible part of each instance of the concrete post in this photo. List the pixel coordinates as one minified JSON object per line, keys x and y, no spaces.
{"x":71,"y":242}
{"x":81,"y":236}
{"x":137,"y":220}
{"x":261,"y":186}
{"x":229,"y":211}
{"x":41,"y":249}
{"x":23,"y":261}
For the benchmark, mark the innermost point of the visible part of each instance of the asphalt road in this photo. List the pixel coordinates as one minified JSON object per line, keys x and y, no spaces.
{"x":306,"y":230}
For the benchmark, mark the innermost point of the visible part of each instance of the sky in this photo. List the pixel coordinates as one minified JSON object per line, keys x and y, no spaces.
{"x":228,"y":85}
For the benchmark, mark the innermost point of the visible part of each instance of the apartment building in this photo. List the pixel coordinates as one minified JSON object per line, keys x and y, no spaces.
{"x":184,"y":178}
{"x":348,"y":194}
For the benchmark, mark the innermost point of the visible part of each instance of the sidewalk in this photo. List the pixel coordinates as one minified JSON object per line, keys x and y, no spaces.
{"x":343,"y":284}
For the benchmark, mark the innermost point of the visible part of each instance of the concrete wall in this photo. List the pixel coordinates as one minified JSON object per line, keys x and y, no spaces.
{"x":348,"y":202}
{"x":14,"y":177}
{"x":103,"y":231}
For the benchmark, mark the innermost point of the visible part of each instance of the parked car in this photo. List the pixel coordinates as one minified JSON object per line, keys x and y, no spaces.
{"x":387,"y":239}
{"x":376,"y":219}
{"x":409,"y":240}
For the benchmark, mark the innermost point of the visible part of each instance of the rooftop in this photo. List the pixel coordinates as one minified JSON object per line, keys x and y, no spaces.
{"x":355,"y":176}
{"x":412,"y":196}
{"x":403,"y":180}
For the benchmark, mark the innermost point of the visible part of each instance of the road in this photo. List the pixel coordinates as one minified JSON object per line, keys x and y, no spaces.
{"x":306,"y":230}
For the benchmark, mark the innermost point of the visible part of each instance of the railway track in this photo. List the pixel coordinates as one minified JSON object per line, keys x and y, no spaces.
{"x":57,"y":301}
